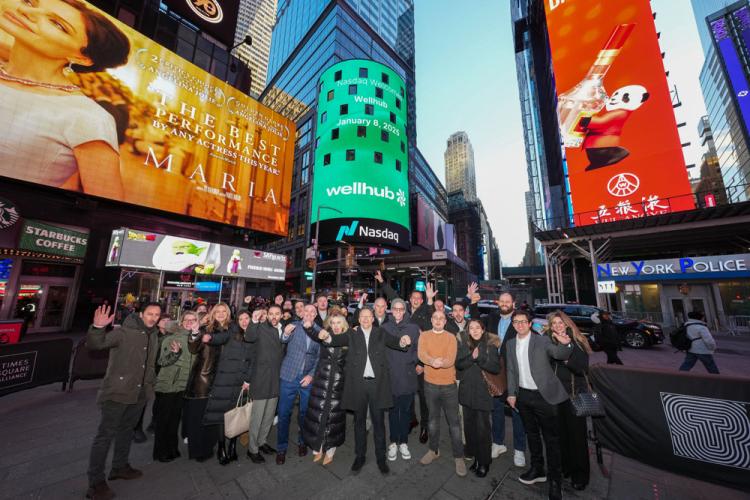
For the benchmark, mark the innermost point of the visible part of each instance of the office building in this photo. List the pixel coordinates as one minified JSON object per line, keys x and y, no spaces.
{"x":710,"y":186}
{"x":256,"y":18}
{"x":459,"y":166}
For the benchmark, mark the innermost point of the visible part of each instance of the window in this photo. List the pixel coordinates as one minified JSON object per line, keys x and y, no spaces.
{"x":330,"y":95}
{"x":344,"y":109}
{"x":301,"y":230}
{"x":385,"y":78}
{"x":398,"y":165}
{"x":361,"y":131}
{"x":323,"y":116}
{"x":363,"y":72}
{"x":403,"y":147}
{"x":402,"y":91}
{"x":305,"y":173}
{"x":327,"y":159}
{"x":352,"y":90}
{"x":393,"y":117}
{"x":378,"y":158}
{"x":369,"y":109}
{"x":337,"y":76}
{"x":384,"y":136}
{"x":349,"y":155}
{"x":335,"y":133}
{"x":398,"y":103}
{"x":378,"y":92}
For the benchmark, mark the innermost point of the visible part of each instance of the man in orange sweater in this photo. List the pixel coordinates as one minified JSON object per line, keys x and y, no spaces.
{"x":437,"y":350}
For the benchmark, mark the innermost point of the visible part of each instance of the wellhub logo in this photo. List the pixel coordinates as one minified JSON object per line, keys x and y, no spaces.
{"x":365,"y":232}
{"x":362,"y":188}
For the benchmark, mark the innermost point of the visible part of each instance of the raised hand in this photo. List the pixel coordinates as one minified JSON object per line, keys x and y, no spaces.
{"x":102,"y":317}
{"x":379,"y":277}
{"x":363,"y":299}
{"x":278,"y":300}
{"x":472,"y":289}
{"x":256,"y":317}
{"x":562,"y":338}
{"x":475,"y":298}
{"x":175,"y":346}
{"x":430,"y":292}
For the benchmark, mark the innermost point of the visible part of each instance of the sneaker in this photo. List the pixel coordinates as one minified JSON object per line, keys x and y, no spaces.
{"x":519,"y":458}
{"x":498,"y":449}
{"x":429,"y":457}
{"x":392,"y":452}
{"x":532,"y":476}
{"x":460,"y":467}
{"x":404,"y":450}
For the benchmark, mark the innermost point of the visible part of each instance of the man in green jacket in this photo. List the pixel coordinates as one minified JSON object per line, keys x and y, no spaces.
{"x":127,"y":385}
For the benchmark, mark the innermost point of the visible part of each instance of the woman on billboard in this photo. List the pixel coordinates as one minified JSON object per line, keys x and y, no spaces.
{"x":54,"y":134}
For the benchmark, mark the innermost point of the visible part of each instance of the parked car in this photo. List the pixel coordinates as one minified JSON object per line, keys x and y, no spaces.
{"x":633,"y":333}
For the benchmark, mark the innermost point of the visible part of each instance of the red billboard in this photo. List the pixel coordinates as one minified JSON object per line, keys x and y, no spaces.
{"x":623,"y":151}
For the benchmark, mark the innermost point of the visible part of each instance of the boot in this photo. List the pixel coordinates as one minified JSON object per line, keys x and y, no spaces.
{"x":221,"y":452}
{"x":232,"y":449}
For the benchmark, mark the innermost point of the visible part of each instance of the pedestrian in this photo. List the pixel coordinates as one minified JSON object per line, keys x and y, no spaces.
{"x":572,"y":429}
{"x":321,"y":304}
{"x":324,"y":427}
{"x":175,"y":362}
{"x":368,"y":384}
{"x":265,"y":331}
{"x":437,"y":350}
{"x":297,"y":370}
{"x":703,"y":344}
{"x":233,"y":374}
{"x":127,"y":385}
{"x":139,"y":436}
{"x":457,"y":323}
{"x":476,"y":354}
{"x":535,"y":391}
{"x":404,"y":384}
{"x":608,"y":337}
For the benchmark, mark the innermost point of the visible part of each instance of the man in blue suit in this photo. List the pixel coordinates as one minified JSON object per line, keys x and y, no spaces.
{"x":297,"y":372}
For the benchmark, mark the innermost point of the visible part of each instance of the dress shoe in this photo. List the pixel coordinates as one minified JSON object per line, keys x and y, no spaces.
{"x":423,"y":435}
{"x":267,"y":450}
{"x":126,"y":473}
{"x":203,"y":458}
{"x":280,"y":458}
{"x":232,"y":450}
{"x":221,"y":452}
{"x":302,"y":450}
{"x":474,"y":465}
{"x":579,"y":486}
{"x":481,"y":471}
{"x":384,"y":469}
{"x":555,"y":489}
{"x":533,"y":475}
{"x":413,"y":424}
{"x":256,"y":458}
{"x":164,"y":459}
{"x":139,"y":436}
{"x":100,"y":491}
{"x":175,"y":454}
{"x":328,"y":459}
{"x":359,"y":462}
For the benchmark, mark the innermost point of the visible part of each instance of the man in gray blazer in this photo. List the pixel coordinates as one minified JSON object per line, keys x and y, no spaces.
{"x":535,"y":391}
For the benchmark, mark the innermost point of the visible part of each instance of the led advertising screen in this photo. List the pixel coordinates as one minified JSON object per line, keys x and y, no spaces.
{"x":624,"y":155}
{"x":175,"y":254}
{"x":361,"y":188}
{"x":107,"y":112}
{"x":218,"y":18}
{"x":433,"y":233}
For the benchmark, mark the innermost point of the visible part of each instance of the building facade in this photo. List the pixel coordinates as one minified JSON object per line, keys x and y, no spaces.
{"x":475,"y":243}
{"x":710,"y":186}
{"x":459,"y":166}
{"x":256,"y":18}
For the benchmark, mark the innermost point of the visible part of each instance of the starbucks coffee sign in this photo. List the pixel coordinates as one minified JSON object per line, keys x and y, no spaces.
{"x":40,"y":237}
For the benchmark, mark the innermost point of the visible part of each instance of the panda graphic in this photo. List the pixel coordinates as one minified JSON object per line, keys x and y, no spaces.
{"x":603,"y":130}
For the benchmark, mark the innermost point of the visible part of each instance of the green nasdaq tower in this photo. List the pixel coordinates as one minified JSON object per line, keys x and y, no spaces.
{"x":361,"y":181}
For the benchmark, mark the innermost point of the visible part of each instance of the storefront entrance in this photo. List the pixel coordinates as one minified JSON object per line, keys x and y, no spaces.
{"x":44,"y":296}
{"x":682,"y":299}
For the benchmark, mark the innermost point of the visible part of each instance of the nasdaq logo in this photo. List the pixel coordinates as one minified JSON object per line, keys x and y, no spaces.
{"x":347,"y":230}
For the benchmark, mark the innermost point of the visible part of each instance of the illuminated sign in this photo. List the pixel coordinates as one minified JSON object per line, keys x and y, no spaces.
{"x":361,"y":187}
{"x":709,"y":267}
{"x":218,"y":18}
{"x":56,"y":240}
{"x":137,"y":123}
{"x":623,"y":153}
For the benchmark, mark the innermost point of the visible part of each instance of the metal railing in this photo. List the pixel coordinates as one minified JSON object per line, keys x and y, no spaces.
{"x":739,"y":325}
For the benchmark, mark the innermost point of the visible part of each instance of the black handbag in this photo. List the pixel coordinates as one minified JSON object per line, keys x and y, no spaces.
{"x":586,"y":404}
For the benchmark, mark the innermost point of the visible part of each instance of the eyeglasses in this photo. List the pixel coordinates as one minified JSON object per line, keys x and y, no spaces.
{"x":520,"y":322}
{"x":398,"y":309}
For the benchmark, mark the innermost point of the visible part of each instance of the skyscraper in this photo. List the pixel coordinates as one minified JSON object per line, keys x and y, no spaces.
{"x":256,"y":18}
{"x":459,"y":166}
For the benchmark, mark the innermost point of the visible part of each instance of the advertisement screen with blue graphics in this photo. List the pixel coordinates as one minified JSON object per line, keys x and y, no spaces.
{"x":361,"y":188}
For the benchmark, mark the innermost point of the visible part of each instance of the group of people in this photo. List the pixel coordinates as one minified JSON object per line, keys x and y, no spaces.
{"x":467,"y":368}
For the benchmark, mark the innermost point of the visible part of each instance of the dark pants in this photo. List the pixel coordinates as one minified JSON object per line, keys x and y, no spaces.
{"x":706,"y":359}
{"x":444,"y":398}
{"x":612,"y":358}
{"x":116,"y":425}
{"x":399,"y":418}
{"x":377,"y":418}
{"x":574,"y":447}
{"x":167,"y":414}
{"x":424,"y":412}
{"x":201,"y":438}
{"x":498,"y":424}
{"x":478,"y":438}
{"x":540,"y":421}
{"x":287,"y":397}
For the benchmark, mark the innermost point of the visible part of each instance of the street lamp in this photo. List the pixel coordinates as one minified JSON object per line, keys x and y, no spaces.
{"x":316,"y":247}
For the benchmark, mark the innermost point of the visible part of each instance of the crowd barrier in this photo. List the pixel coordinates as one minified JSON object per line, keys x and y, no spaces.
{"x":29,"y":364}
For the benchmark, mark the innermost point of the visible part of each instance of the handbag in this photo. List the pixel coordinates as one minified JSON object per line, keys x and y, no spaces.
{"x":497,"y":383}
{"x":237,"y":420}
{"x":586,"y":404}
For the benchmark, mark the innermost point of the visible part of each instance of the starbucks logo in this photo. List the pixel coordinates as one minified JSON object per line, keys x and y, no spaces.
{"x":208,"y":10}
{"x":8,"y":214}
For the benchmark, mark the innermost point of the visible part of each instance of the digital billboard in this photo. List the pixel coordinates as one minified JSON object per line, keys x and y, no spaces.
{"x":361,"y":186}
{"x":175,"y":254}
{"x":105,"y":111}
{"x":623,"y":151}
{"x":433,"y":233}
{"x":218,"y":18}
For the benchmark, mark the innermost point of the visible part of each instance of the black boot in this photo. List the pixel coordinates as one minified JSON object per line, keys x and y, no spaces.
{"x":474,"y":465}
{"x":221,"y":452}
{"x":232,"y":449}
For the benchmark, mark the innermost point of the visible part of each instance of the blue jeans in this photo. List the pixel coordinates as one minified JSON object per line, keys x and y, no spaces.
{"x":706,"y":359}
{"x":399,"y":418}
{"x":287,"y":396}
{"x":498,"y":425}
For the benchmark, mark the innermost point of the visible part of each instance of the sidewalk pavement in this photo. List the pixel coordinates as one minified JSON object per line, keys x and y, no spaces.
{"x":47,"y":435}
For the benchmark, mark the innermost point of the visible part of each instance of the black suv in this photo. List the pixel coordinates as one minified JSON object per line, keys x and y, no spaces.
{"x":633,"y":333}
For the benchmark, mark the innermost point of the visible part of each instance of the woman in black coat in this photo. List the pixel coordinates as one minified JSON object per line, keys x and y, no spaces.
{"x":324,"y":428}
{"x":475,"y":355}
{"x":232,"y":377}
{"x":572,"y":429}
